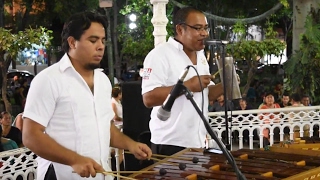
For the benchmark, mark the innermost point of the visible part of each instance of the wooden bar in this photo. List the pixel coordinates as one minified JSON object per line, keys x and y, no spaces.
{"x":254,"y":164}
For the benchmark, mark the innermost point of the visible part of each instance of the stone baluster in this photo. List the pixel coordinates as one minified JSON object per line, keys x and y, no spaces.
{"x":159,"y":21}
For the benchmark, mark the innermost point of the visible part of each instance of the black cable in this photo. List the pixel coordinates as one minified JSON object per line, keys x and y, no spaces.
{"x":202,"y":104}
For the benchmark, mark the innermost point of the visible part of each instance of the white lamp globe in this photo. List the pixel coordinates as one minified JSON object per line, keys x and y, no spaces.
{"x":132,"y":25}
{"x":133,"y":17}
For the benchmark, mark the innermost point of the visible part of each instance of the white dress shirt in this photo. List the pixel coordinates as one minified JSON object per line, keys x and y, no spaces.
{"x":162,"y":68}
{"x":60,"y":100}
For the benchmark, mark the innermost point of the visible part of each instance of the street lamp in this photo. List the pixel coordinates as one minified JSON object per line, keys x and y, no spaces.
{"x":132,"y":24}
{"x":132,"y":17}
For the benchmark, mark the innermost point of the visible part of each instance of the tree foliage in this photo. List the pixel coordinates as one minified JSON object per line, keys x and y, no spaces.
{"x":13,"y":43}
{"x":303,"y":67}
{"x":136,"y":43}
{"x":252,"y":51}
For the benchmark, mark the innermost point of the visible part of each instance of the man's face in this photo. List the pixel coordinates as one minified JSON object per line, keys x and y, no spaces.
{"x":194,"y":32}
{"x":305,"y":101}
{"x":285,"y":100}
{"x":90,"y":48}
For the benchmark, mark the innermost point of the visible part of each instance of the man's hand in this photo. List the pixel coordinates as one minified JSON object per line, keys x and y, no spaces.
{"x":193,"y":84}
{"x":140,"y":151}
{"x":86,"y":167}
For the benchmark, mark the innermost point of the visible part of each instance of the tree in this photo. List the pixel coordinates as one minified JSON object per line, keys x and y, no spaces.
{"x":136,"y":44}
{"x":303,"y":67}
{"x":250,"y":20}
{"x":252,"y":51}
{"x":11,"y":44}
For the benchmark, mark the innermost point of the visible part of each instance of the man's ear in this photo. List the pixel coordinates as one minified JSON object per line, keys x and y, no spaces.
{"x":179,"y":29}
{"x":71,"y":42}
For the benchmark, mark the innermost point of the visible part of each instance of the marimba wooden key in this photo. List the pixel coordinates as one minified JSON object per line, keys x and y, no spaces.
{"x":254,"y":164}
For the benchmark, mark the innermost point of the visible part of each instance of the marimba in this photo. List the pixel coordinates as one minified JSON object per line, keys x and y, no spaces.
{"x":305,"y":145}
{"x":254,"y":164}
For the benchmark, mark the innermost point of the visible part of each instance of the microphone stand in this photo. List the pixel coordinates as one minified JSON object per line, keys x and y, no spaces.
{"x":227,"y":154}
{"x":223,"y":43}
{"x":226,"y":103}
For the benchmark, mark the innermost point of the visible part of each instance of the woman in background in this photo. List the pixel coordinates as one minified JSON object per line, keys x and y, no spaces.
{"x":268,"y":117}
{"x":117,"y":109}
{"x":116,"y":105}
{"x":7,"y":144}
{"x":8,"y":131}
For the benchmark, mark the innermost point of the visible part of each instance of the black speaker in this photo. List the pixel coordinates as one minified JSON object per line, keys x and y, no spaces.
{"x":135,"y":121}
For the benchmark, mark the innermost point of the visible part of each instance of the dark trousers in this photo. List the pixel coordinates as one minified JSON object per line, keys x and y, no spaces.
{"x":50,"y":174}
{"x":167,"y":150}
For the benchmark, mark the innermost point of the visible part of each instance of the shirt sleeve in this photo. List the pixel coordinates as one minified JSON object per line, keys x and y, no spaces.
{"x":154,"y":72}
{"x":41,"y":100}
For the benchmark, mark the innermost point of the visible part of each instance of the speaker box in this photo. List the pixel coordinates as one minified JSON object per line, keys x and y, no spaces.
{"x":135,"y":121}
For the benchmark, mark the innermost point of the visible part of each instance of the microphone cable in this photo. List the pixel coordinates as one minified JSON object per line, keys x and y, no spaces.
{"x":202,"y":97}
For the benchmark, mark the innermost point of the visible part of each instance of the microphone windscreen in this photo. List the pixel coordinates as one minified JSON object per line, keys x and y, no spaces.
{"x":162,"y":114}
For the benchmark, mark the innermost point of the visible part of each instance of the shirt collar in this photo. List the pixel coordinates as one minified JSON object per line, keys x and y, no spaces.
{"x":65,"y":63}
{"x":178,"y":45}
{"x":175,"y":43}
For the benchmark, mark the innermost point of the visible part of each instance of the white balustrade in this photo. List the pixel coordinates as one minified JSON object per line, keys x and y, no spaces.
{"x":18,"y":163}
{"x":159,"y":21}
{"x":302,"y":119}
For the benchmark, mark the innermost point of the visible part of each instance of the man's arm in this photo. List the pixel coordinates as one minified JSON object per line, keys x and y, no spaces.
{"x":215,"y":91}
{"x":157,"y":96}
{"x":121,"y":141}
{"x":44,"y":146}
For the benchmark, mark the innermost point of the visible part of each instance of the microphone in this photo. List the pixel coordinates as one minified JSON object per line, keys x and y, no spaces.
{"x":164,"y":111}
{"x":215,"y":41}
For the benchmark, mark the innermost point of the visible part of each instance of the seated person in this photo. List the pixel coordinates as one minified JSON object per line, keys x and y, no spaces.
{"x":219,"y":105}
{"x":7,"y":144}
{"x":9,"y":131}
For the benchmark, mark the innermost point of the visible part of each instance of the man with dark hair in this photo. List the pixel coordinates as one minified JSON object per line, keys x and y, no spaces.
{"x":68,"y":114}
{"x":162,"y":68}
{"x":305,"y":100}
{"x":285,"y":100}
{"x":295,"y":100}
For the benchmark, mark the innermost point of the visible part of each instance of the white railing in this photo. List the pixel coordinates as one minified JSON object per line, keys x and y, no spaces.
{"x":300,"y":120}
{"x":18,"y":164}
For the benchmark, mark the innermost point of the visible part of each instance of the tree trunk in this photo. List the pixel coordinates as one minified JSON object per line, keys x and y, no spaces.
{"x":109,"y":48}
{"x":14,"y":64}
{"x":252,"y":71}
{"x":7,"y":104}
{"x":301,"y":9}
{"x":115,"y":40}
{"x":25,"y":17}
{"x":1,"y":13}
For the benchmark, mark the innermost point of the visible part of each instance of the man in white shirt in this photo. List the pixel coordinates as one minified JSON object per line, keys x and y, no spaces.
{"x":162,"y":68}
{"x":67,"y":118}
